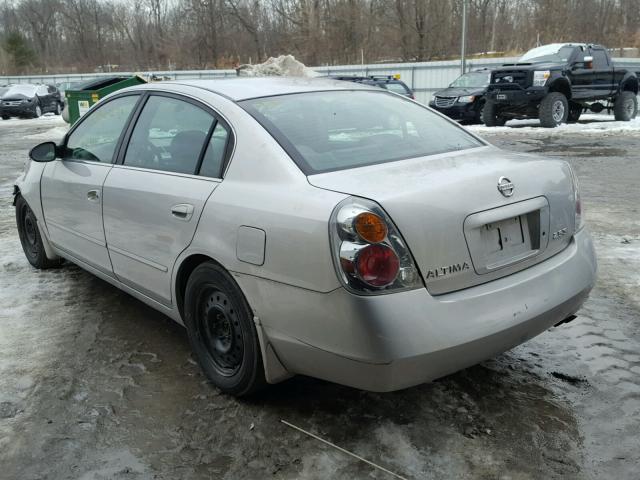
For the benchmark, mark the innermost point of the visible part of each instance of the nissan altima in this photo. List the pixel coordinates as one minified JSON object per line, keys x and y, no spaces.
{"x":311,"y":226}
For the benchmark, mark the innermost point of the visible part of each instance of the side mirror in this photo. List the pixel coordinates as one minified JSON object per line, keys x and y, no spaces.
{"x":45,"y":152}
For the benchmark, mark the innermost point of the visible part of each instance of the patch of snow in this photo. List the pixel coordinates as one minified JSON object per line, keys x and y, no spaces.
{"x":282,"y":66}
{"x":589,"y":124}
{"x":54,"y":134}
{"x":46,"y":119}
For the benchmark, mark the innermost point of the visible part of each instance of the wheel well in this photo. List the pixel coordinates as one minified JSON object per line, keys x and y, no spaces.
{"x":16,"y":194}
{"x":184,"y":272}
{"x":561,"y":86}
{"x":630,"y":85}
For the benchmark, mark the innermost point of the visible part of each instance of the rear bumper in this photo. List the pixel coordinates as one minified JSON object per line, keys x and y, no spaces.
{"x":466,"y":111}
{"x":390,"y":342}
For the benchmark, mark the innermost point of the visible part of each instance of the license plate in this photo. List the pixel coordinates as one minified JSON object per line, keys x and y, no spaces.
{"x":501,"y":96}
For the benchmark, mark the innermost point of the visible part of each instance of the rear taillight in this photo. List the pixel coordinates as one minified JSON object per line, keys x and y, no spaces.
{"x":579,"y":218}
{"x":369,"y":253}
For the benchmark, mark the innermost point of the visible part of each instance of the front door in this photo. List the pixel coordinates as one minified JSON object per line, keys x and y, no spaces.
{"x":71,"y":188}
{"x":154,"y":198}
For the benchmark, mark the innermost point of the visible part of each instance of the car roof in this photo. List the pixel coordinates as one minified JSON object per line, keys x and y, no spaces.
{"x":244,"y":88}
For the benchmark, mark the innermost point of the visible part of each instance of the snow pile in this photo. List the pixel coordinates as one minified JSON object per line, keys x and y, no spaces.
{"x":589,"y":124}
{"x":283,"y":66}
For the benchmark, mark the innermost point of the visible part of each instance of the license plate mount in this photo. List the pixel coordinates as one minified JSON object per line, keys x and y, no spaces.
{"x":507,"y":235}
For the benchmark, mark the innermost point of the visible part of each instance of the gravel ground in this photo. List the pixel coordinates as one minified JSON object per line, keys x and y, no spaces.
{"x":95,"y":385}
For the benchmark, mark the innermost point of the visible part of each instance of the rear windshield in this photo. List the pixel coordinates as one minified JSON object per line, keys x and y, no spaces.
{"x":396,"y":88}
{"x":336,"y":130}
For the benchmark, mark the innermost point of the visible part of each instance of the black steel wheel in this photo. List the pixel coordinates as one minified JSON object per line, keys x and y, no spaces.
{"x":30,"y":237}
{"x":221,"y":331}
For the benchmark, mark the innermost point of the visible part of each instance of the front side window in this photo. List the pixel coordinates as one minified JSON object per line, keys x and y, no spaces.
{"x":169,"y":136}
{"x":335,"y":130}
{"x":95,"y":139}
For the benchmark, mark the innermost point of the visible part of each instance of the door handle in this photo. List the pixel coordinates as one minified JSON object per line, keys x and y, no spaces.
{"x":182,"y":211}
{"x":93,"y":195}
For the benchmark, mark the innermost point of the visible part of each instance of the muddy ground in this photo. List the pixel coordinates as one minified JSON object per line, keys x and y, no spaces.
{"x":95,"y":385}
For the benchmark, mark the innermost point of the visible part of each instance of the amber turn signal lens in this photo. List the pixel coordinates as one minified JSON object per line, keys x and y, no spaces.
{"x":370,"y":227}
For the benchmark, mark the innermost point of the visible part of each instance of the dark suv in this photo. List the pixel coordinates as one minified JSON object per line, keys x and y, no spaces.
{"x":26,"y":100}
{"x":388,"y":82}
{"x":557,"y":82}
{"x":463,"y":100}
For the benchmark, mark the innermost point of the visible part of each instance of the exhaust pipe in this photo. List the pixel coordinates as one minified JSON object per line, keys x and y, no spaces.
{"x":570,"y":318}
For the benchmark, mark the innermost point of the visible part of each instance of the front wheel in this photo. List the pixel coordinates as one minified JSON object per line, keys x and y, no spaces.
{"x":221,"y":331}
{"x":58,"y":109}
{"x":30,"y":237}
{"x":37,"y":111}
{"x":625,"y":107}
{"x":6,"y":117}
{"x":554,"y":110}
{"x":490,"y":115}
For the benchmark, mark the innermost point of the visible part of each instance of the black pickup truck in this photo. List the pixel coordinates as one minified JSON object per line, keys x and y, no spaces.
{"x":557,"y":82}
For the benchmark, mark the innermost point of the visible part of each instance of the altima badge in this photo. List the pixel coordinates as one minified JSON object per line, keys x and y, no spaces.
{"x":505,"y":187}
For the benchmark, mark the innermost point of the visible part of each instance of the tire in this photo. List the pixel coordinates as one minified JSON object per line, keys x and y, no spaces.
{"x":625,"y":106}
{"x":37,"y":111}
{"x":575,"y":110}
{"x":221,"y":331}
{"x":58,"y":110}
{"x":30,"y":237}
{"x":490,"y":115}
{"x":4,"y":117}
{"x":554,"y":110}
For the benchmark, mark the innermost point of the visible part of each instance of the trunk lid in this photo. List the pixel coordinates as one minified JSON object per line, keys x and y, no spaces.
{"x":460,"y":228}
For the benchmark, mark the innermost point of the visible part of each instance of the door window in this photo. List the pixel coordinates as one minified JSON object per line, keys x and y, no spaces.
{"x":169,"y":135}
{"x":599,"y":59}
{"x":96,"y":137}
{"x":214,"y":156}
{"x":42,"y":91}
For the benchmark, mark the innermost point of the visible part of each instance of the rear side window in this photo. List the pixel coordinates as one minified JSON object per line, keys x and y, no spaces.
{"x":335,"y":130}
{"x":169,"y":136}
{"x":215,"y":153}
{"x":599,"y":59}
{"x":95,"y":139}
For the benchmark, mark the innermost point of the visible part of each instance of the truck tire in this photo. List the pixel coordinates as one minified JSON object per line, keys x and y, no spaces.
{"x":575,"y":110}
{"x":490,"y":115}
{"x":554,"y":110}
{"x":625,"y":106}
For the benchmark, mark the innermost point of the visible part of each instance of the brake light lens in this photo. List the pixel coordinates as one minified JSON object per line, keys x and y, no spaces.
{"x":369,"y":253}
{"x":377,"y":265}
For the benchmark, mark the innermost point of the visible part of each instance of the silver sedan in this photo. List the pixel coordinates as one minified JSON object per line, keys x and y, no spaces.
{"x":311,"y":227}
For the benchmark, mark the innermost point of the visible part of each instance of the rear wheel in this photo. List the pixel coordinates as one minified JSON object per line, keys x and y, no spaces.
{"x":490,"y":115}
{"x":30,"y":237}
{"x":5,"y":117}
{"x":221,"y":331}
{"x":554,"y":110}
{"x":575,"y":110}
{"x":625,"y":106}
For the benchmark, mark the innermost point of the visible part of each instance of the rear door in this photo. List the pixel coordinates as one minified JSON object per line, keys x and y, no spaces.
{"x":154,"y":196}
{"x":71,"y":188}
{"x":602,"y":73}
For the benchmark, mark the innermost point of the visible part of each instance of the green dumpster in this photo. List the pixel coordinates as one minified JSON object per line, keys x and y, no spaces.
{"x":86,"y":95}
